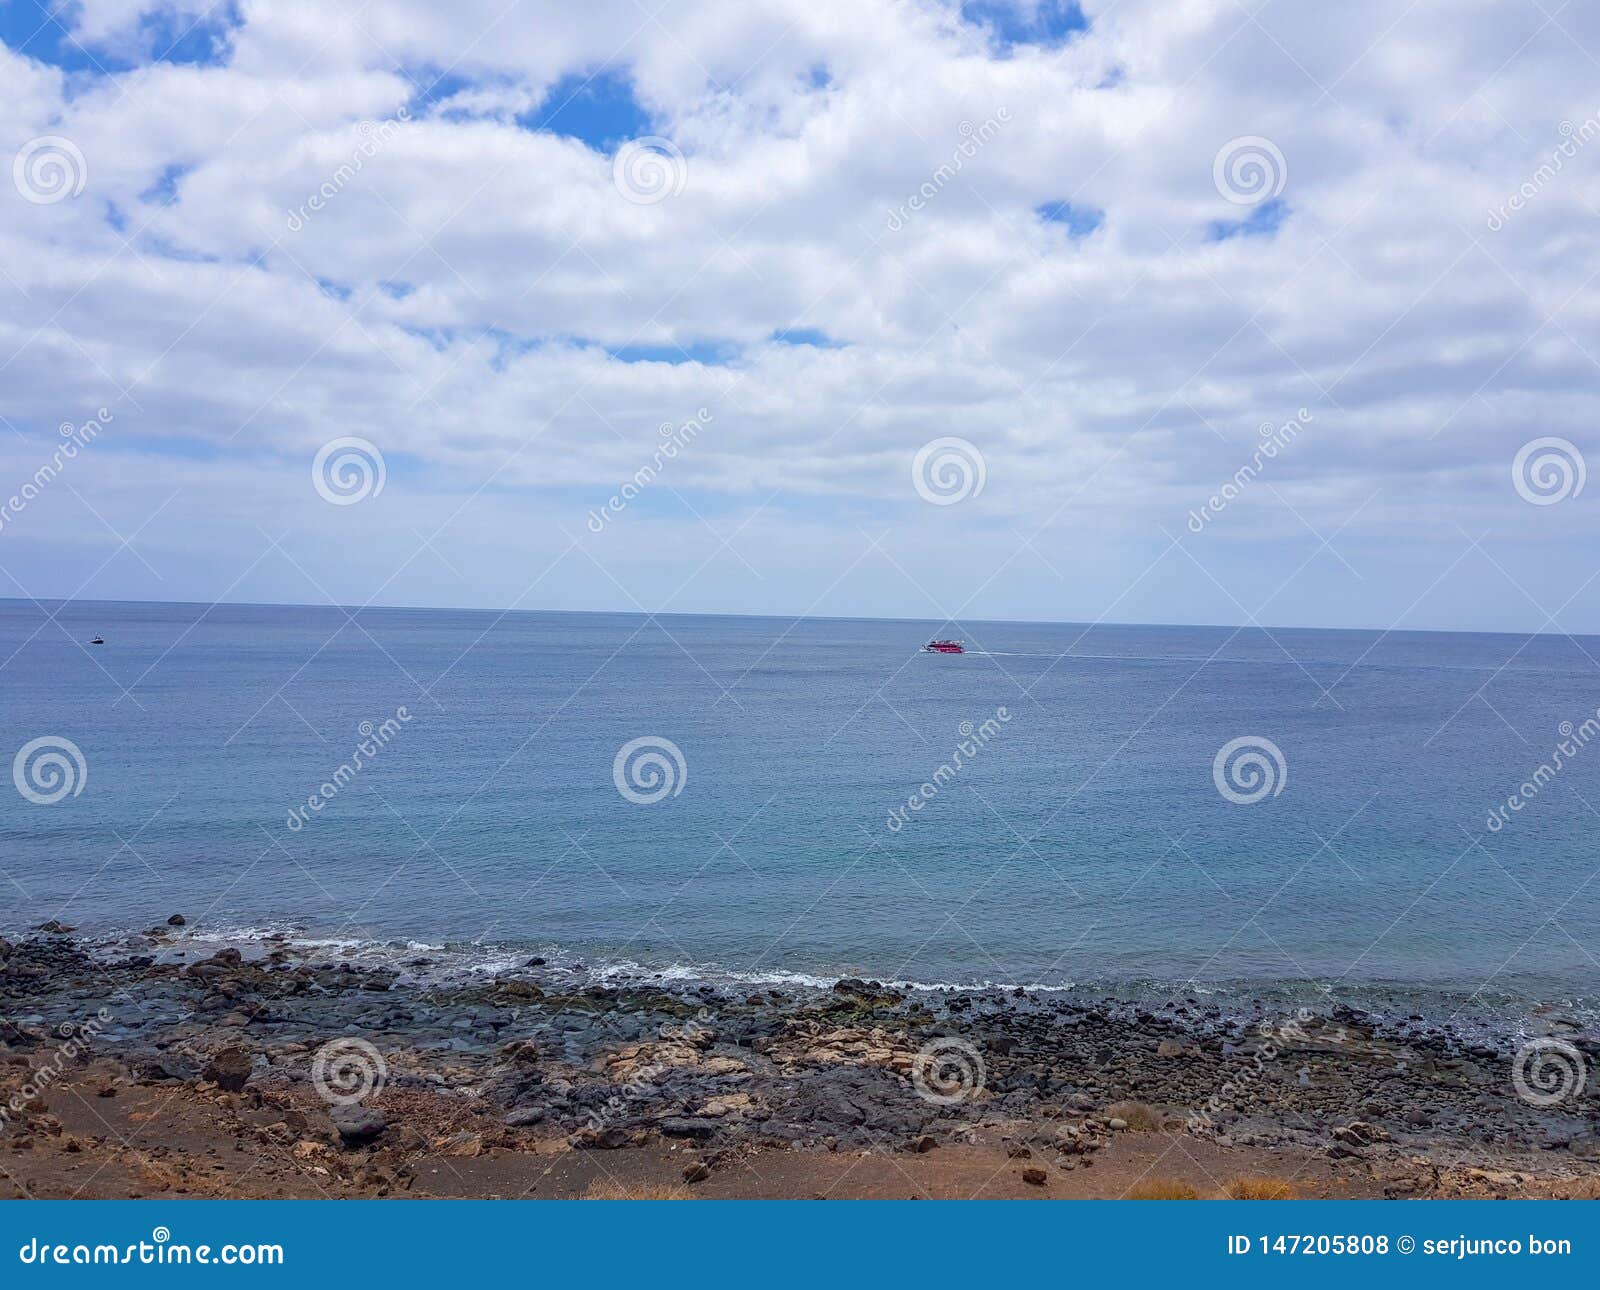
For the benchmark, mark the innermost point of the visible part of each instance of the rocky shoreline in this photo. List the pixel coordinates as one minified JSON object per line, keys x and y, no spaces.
{"x":295,"y":1072}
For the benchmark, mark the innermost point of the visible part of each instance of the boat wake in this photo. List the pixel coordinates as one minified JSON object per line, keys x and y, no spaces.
{"x":1013,"y":653}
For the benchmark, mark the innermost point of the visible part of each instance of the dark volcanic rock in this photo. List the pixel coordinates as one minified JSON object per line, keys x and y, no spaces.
{"x":812,"y":1068}
{"x":167,"y":1070}
{"x":682,"y":1126}
{"x":230,"y":1068}
{"x":358,"y":1124}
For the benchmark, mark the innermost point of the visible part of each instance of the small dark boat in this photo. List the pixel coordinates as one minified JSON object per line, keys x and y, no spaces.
{"x":98,"y":640}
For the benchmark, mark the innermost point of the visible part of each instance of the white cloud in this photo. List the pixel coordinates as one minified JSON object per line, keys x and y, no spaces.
{"x":455,"y":296}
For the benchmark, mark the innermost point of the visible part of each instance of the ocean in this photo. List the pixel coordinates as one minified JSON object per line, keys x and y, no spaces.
{"x":813,"y":798}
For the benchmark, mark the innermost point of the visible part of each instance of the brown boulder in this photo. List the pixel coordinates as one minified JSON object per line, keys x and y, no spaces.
{"x":229,"y":1069}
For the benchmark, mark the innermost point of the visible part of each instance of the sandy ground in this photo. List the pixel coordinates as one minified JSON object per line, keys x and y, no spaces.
{"x":107,"y":1136}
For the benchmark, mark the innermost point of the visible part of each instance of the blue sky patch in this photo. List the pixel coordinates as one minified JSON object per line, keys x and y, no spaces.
{"x":165,"y":189}
{"x":806,"y":336}
{"x":151,"y":244}
{"x":42,"y":30}
{"x":1263,"y":222}
{"x":438,"y":339}
{"x":32,"y":28}
{"x":1079,"y":221}
{"x":597,"y":109}
{"x":709,"y":353}
{"x":508,"y":346}
{"x":432,"y":85}
{"x":1025,"y":22}
{"x":203,"y":41}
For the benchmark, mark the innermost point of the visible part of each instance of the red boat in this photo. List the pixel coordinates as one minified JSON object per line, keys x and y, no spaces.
{"x":944,"y":647}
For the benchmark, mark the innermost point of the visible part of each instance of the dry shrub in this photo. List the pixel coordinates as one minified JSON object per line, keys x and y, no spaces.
{"x":1162,"y":1189}
{"x":1141,"y":1116}
{"x":1258,"y":1189}
{"x":614,"y":1191}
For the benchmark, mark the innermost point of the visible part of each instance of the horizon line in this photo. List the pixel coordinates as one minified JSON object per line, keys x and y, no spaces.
{"x":844,"y":618}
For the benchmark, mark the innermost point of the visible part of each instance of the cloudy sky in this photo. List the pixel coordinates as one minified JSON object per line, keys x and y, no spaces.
{"x":970,"y":310}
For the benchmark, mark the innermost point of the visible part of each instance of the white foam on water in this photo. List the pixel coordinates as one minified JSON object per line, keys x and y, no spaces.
{"x":1393,"y":1004}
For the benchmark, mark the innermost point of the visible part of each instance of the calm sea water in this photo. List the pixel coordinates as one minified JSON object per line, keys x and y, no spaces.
{"x":1085,"y":842}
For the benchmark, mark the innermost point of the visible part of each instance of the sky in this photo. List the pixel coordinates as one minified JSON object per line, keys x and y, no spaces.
{"x":1229,"y":312}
